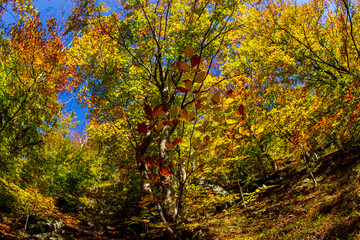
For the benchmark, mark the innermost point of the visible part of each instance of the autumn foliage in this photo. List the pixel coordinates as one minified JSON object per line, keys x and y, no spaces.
{"x":183,"y":99}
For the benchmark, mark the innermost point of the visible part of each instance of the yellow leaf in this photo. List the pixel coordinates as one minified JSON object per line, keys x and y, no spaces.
{"x":228,"y":100}
{"x":230,"y":121}
{"x":173,"y":111}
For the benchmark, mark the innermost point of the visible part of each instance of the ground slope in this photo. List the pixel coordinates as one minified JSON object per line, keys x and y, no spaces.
{"x":294,"y":209}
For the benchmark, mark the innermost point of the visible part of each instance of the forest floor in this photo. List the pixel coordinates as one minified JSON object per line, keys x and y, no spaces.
{"x":291,"y":208}
{"x":294,"y":209}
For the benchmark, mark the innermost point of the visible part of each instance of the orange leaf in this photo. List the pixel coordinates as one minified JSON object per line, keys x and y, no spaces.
{"x":160,"y":125}
{"x":168,"y":145}
{"x":183,"y":66}
{"x":158,"y":112}
{"x":189,"y":51}
{"x":165,"y":172}
{"x":183,"y":114}
{"x":229,"y":133}
{"x":197,"y":96}
{"x":229,"y":93}
{"x":191,"y":116}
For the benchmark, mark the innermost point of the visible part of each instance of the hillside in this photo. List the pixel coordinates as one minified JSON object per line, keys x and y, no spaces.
{"x":294,"y":209}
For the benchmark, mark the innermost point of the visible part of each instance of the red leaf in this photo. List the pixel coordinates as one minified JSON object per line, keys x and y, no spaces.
{"x":229,"y":93}
{"x":154,"y":178}
{"x":141,"y":127}
{"x":240,"y":110}
{"x":170,"y":164}
{"x":148,"y":162}
{"x":148,"y":110}
{"x":159,"y":160}
{"x":238,"y":94}
{"x":164,"y":172}
{"x":195,"y":60}
{"x":176,"y":142}
{"x":168,"y":123}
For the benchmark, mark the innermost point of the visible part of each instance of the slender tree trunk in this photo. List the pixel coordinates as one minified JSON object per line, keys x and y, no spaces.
{"x":145,"y":186}
{"x":309,"y":170}
{"x":241,"y":192}
{"x":169,"y":185}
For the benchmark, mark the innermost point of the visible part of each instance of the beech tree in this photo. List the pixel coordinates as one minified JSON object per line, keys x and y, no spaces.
{"x":152,"y":84}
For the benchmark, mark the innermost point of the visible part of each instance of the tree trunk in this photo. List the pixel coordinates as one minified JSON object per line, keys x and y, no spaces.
{"x":169,"y":183}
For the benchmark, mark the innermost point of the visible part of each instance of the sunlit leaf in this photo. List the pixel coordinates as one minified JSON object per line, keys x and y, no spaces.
{"x":183,"y":66}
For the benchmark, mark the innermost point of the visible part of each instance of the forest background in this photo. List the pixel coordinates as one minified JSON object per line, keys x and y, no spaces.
{"x":182,"y":98}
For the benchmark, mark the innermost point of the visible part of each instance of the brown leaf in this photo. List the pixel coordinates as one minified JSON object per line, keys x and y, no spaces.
{"x":182,"y":89}
{"x":200,"y":77}
{"x":188,"y":84}
{"x":216,"y":98}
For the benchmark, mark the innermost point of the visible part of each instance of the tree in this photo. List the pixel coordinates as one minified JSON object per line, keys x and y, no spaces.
{"x":151,"y":83}
{"x":33,"y":71}
{"x":297,"y":65}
